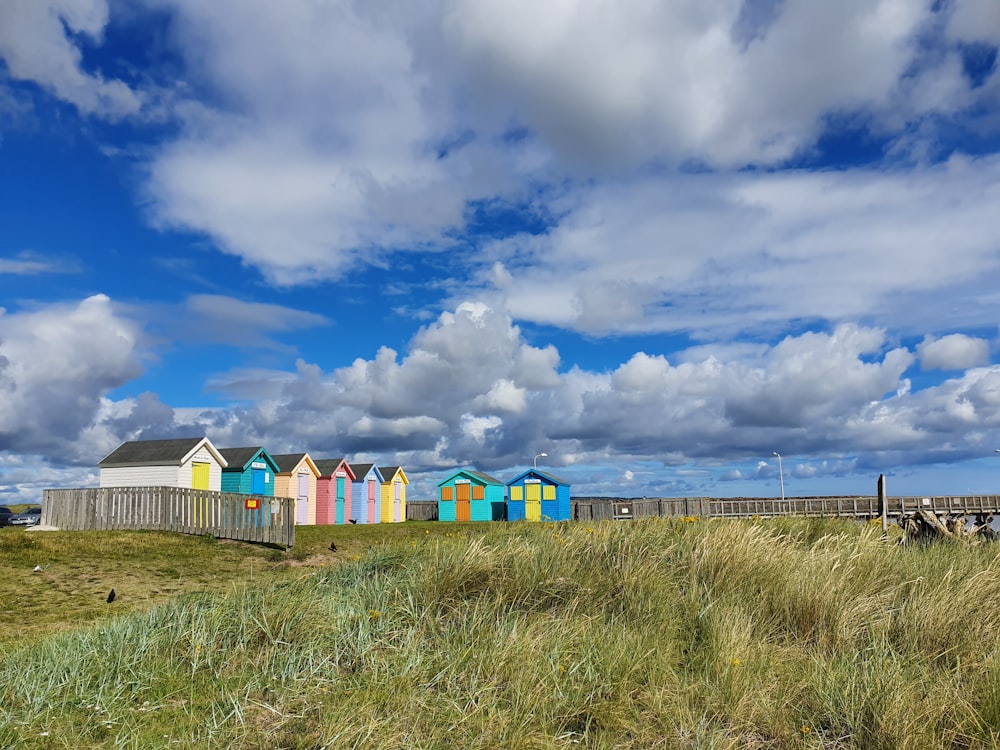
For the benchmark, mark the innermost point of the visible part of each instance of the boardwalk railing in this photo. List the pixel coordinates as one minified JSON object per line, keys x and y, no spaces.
{"x":225,"y":515}
{"x":860,"y":506}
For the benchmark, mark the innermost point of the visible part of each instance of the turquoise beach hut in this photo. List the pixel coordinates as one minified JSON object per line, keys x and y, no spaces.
{"x":250,"y":471}
{"x":469,"y":495}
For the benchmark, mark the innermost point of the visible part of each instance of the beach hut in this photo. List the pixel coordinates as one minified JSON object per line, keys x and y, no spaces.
{"x":393,"y":508}
{"x":296,"y":478}
{"x":250,"y":471}
{"x":181,"y":462}
{"x":366,"y":494}
{"x":333,"y":490}
{"x":469,"y":495}
{"x":536,"y":495}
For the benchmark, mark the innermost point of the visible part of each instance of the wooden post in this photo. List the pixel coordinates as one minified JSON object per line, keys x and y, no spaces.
{"x":883,"y":505}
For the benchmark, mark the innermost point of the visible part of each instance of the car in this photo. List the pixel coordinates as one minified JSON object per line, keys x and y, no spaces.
{"x":5,"y":515}
{"x":27,"y":517}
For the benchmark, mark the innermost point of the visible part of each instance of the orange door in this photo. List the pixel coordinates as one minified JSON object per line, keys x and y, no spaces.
{"x":462,"y":507}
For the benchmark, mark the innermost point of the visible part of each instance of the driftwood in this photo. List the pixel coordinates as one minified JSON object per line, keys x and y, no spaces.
{"x":924,"y":525}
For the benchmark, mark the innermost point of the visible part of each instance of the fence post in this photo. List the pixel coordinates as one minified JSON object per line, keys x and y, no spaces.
{"x":883,"y":509}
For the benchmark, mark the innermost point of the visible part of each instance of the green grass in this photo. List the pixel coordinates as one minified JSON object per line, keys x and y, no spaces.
{"x":659,"y":633}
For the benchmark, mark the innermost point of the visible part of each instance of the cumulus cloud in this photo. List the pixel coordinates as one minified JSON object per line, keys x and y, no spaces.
{"x":438,"y":405}
{"x":39,"y":42}
{"x":955,"y":351}
{"x":448,"y":402}
{"x":56,"y":364}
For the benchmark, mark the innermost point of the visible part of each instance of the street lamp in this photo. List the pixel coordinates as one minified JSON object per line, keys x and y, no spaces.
{"x":781,"y":476}
{"x":540,"y":455}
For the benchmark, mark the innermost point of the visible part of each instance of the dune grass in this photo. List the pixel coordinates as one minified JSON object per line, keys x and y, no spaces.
{"x":728,"y":634}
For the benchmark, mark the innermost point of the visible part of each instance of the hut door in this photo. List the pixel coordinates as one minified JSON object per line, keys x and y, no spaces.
{"x":397,"y":487}
{"x":372,"y":489}
{"x":302,"y":500}
{"x":257,"y":481}
{"x":462,"y":507}
{"x":340,"y":500}
{"x":533,"y":502}
{"x":199,"y":476}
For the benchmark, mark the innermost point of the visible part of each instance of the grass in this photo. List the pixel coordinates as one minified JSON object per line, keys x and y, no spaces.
{"x":147,"y":569}
{"x":729,"y":634}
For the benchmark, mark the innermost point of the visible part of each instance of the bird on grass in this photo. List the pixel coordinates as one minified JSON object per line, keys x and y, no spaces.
{"x":111,"y":596}
{"x":333,"y":546}
{"x":353,"y":520}
{"x":37,"y":569}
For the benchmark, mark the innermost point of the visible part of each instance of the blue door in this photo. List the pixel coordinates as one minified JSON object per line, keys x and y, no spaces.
{"x":257,"y":481}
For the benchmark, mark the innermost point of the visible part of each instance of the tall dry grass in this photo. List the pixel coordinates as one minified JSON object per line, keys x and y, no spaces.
{"x":730,"y":634}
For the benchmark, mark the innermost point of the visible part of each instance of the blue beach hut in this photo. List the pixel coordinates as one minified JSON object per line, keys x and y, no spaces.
{"x":536,"y":495}
{"x":366,"y":493}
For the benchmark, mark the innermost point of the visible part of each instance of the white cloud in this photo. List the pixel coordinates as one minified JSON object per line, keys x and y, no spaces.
{"x":303,"y":162}
{"x":955,"y":351}
{"x":975,"y":21}
{"x":36,"y":45}
{"x":610,"y":84}
{"x":713,"y":254}
{"x":56,"y":363}
{"x":28,"y":264}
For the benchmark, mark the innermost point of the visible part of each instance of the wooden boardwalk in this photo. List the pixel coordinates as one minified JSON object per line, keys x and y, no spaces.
{"x":861,"y":507}
{"x":225,"y":515}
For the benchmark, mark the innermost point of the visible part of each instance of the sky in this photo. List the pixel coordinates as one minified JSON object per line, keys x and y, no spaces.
{"x":658,"y":243}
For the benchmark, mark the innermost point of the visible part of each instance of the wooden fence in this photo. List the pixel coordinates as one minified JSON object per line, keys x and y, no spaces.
{"x":221,"y":514}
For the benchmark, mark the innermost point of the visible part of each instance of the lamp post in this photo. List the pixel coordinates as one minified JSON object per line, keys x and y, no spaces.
{"x":781,"y":476}
{"x":540,"y":455}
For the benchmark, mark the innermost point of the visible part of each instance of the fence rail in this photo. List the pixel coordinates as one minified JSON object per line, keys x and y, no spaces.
{"x":222,"y":514}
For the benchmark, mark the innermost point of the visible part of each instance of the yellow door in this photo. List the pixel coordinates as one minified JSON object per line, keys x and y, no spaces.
{"x":199,"y":481}
{"x":199,"y":476}
{"x":533,"y":502}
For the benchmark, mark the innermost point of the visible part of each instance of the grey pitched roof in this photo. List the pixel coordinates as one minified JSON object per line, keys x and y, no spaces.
{"x":388,"y":471}
{"x":327,"y":466}
{"x":287,"y":461}
{"x":151,"y":452}
{"x":238,"y":458}
{"x":361,"y":469}
{"x":484,"y":476}
{"x":547,"y":474}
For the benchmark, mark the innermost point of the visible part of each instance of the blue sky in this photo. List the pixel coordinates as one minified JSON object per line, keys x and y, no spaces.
{"x":658,"y":243}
